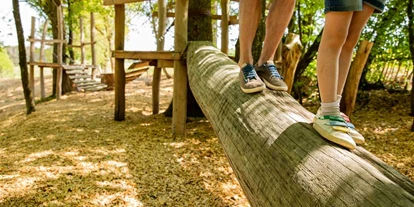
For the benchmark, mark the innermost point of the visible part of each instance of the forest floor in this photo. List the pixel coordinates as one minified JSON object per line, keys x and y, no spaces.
{"x":71,"y":153}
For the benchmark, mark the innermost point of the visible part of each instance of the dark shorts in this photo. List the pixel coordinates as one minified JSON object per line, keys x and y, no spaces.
{"x":353,"y":5}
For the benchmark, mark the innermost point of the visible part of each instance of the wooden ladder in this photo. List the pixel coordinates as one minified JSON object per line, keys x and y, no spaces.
{"x":82,"y":79}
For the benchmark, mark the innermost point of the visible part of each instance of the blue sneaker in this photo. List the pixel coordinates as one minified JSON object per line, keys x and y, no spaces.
{"x":249,"y":81}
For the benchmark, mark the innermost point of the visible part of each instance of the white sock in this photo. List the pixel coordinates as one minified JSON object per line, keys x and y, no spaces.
{"x":330,"y":108}
{"x":338,"y":98}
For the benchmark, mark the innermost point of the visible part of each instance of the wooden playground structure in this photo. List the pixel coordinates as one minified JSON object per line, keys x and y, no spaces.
{"x":78,"y":74}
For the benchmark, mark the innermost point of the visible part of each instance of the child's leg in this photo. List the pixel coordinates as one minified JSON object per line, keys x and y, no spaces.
{"x":359,"y":20}
{"x":328,"y":121}
{"x":249,"y":18}
{"x":333,"y":39}
{"x":280,"y":13}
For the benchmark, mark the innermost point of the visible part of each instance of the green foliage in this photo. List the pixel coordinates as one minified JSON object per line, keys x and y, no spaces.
{"x":6,"y":65}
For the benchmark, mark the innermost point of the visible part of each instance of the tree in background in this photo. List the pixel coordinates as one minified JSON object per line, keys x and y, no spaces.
{"x":30,"y":105}
{"x":410,"y":14}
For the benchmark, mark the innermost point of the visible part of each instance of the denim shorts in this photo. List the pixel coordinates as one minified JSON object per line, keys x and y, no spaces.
{"x":353,"y":5}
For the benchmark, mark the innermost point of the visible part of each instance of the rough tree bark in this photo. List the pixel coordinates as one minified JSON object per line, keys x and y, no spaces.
{"x":30,"y":105}
{"x":275,"y":153}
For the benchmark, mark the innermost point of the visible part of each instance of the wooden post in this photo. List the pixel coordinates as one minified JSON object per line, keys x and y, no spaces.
{"x":352,"y":82}
{"x":94,"y":64}
{"x":180,"y":70}
{"x":32,"y":51}
{"x":119,"y":63}
{"x":60,"y":48}
{"x":225,"y":26}
{"x":82,"y":41}
{"x":42,"y":45}
{"x":42,"y":84}
{"x":156,"y":78}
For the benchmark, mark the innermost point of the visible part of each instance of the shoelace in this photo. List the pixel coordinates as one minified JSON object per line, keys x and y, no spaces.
{"x":273,"y":71}
{"x":249,"y":72}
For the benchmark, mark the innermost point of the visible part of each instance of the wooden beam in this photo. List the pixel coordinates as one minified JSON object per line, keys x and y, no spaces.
{"x":165,"y":64}
{"x":42,"y":44}
{"x":81,"y":41}
{"x":45,"y":41}
{"x":225,"y":26}
{"x":120,"y":2}
{"x":119,"y":63}
{"x":59,"y":53}
{"x":93,"y":51}
{"x":180,"y":70}
{"x":42,"y":84}
{"x":45,"y":65}
{"x":146,"y":55}
{"x":213,"y":16}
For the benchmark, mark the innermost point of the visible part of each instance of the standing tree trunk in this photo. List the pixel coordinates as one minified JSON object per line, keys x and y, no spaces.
{"x":199,"y":29}
{"x":50,"y":8}
{"x":351,"y":85}
{"x":410,"y":14}
{"x":156,"y":78}
{"x":30,"y":105}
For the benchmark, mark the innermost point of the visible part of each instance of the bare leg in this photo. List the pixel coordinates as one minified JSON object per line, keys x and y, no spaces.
{"x":278,"y":19}
{"x":359,"y":20}
{"x":249,"y":18}
{"x":333,"y":39}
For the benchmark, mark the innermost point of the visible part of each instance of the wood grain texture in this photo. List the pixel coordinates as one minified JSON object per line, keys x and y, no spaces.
{"x":278,"y":158}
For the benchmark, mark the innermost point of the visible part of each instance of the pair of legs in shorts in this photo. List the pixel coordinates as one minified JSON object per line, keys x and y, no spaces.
{"x":344,"y":22}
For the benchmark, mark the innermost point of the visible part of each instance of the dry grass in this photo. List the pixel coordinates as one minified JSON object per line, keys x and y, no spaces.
{"x":71,"y":152}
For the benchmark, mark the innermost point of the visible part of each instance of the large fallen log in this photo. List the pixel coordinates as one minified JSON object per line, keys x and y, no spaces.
{"x":278,"y":158}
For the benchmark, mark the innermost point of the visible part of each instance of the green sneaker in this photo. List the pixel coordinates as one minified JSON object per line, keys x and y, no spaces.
{"x":249,"y":81}
{"x":356,"y":136}
{"x":269,"y":74}
{"x":334,"y":129}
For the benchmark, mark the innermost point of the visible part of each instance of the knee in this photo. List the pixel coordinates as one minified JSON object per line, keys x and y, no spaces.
{"x":351,"y":41}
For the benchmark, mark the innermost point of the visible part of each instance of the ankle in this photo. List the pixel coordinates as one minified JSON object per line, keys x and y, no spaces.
{"x":331,"y":108}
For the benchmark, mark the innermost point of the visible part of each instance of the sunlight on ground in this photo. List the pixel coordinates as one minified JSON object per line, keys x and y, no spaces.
{"x":71,"y":153}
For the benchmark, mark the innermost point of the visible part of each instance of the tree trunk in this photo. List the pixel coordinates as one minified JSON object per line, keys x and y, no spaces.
{"x":278,"y":158}
{"x":410,"y":14}
{"x":156,"y":78}
{"x":30,"y":105}
{"x":199,"y":29}
{"x":351,"y":86}
{"x":51,"y":12}
{"x":292,"y":51}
